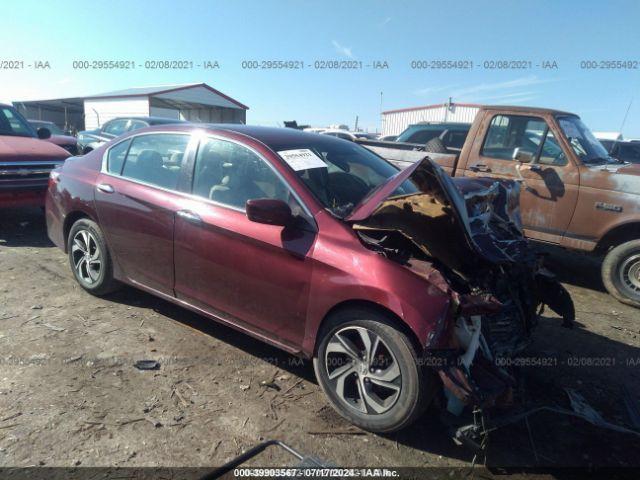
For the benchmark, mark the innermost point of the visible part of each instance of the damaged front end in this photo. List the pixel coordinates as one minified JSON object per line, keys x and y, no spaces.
{"x":464,"y":236}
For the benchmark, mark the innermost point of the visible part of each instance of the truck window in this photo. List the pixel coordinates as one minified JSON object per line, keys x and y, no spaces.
{"x":508,"y":132}
{"x":552,"y":153}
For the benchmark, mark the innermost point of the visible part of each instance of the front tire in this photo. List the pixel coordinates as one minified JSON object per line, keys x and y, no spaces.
{"x":621,"y":272}
{"x":89,"y":258}
{"x":370,"y":372}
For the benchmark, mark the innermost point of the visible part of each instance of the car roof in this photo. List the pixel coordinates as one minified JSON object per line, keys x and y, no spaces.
{"x":267,"y":135}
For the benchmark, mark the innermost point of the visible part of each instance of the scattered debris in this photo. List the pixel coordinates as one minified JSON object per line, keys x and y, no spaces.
{"x":11,"y":417}
{"x":337,"y":432}
{"x":270,"y":384}
{"x":36,"y":307}
{"x":147,"y":365}
{"x":52,"y":327}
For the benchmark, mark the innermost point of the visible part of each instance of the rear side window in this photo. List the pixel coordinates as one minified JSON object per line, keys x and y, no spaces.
{"x":508,"y":132}
{"x":156,"y":159}
{"x":115,"y":158}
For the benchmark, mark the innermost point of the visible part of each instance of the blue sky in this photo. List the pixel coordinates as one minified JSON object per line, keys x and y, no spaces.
{"x":394,"y":31}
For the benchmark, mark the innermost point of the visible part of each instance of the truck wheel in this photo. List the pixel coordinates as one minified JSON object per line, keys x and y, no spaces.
{"x":621,"y":272}
{"x":370,"y":371}
{"x":89,"y":258}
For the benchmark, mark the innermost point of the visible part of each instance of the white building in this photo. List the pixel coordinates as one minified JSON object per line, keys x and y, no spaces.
{"x":395,"y":122}
{"x":197,"y":102}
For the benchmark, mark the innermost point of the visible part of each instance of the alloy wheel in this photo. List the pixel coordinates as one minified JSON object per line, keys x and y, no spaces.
{"x":87,"y":258}
{"x":362,"y":370}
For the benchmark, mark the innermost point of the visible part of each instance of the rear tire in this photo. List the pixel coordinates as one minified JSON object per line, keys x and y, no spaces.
{"x":379,"y":389}
{"x":621,"y":272}
{"x":90,"y":259}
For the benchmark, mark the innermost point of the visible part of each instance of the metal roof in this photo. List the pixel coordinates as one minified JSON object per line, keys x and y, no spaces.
{"x":178,"y":93}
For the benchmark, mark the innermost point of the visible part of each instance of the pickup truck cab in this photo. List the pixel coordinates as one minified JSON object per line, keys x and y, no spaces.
{"x":574,"y":194}
{"x":25,"y":160}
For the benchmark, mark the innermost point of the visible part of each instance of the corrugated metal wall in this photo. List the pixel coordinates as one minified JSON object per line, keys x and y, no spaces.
{"x":393,"y":123}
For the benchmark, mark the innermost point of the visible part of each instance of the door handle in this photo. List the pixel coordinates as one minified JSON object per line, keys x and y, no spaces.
{"x":479,"y":167}
{"x":105,"y":187}
{"x":189,"y":216}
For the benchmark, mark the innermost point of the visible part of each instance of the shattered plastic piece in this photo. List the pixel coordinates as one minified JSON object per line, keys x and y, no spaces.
{"x":147,"y":365}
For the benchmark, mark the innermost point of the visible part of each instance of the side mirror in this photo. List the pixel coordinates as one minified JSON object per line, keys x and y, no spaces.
{"x":522,"y":156}
{"x":44,"y":133}
{"x":269,"y":211}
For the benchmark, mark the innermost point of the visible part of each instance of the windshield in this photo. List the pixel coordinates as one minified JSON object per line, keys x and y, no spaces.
{"x":340,"y":174}
{"x":584,"y":144}
{"x":52,"y":127}
{"x":12,"y":123}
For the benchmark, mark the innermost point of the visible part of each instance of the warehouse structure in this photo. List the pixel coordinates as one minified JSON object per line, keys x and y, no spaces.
{"x":197,"y":102}
{"x":395,"y":122}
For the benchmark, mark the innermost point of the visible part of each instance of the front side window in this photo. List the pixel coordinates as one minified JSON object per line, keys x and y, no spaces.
{"x":508,"y":132}
{"x":156,"y":159}
{"x":230,"y":174}
{"x":551,"y":152}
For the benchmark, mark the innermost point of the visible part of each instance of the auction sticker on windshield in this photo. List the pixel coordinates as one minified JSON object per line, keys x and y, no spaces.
{"x":302,"y":159}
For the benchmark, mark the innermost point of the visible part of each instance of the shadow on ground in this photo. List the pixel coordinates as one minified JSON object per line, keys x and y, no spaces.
{"x":592,"y":364}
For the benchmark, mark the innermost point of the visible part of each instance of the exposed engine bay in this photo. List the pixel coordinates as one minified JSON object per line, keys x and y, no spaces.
{"x":465,"y":237}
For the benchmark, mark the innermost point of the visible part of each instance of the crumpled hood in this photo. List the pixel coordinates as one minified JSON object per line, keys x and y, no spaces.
{"x":458,"y":221}
{"x":16,"y":149}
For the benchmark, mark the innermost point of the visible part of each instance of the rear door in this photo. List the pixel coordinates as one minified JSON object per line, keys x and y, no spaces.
{"x":249,"y":274}
{"x":548,"y":199}
{"x":136,"y":199}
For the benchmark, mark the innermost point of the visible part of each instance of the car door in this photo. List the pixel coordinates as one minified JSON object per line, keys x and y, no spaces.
{"x":550,"y":192}
{"x":253,"y":275}
{"x":136,"y":199}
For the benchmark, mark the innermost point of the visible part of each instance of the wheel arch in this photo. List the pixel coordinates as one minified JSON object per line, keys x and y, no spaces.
{"x":393,"y":318}
{"x":71,"y":218}
{"x":617,"y":235}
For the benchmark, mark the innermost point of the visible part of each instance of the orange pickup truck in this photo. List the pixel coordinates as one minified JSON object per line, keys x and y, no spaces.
{"x":574,"y":194}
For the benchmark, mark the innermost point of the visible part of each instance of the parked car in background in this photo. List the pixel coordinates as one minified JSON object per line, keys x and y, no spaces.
{"x":91,"y":139}
{"x":347,"y":135}
{"x":319,"y":247}
{"x":25,"y":160}
{"x":447,"y":135}
{"x":575,"y":194}
{"x":69,"y":143}
{"x":625,"y":151}
{"x":388,"y":138}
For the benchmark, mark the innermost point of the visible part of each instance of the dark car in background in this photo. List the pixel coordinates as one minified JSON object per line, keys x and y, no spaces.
{"x":625,"y":151}
{"x":25,"y":160}
{"x":319,"y":247}
{"x":58,"y":136}
{"x":91,"y":139}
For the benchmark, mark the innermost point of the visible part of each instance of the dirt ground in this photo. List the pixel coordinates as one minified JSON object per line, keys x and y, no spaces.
{"x":70,"y":395}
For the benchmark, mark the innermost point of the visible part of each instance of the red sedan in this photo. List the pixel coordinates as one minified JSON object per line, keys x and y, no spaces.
{"x":391,"y":281}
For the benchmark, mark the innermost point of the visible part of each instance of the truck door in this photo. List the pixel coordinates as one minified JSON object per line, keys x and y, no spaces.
{"x":549,"y":197}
